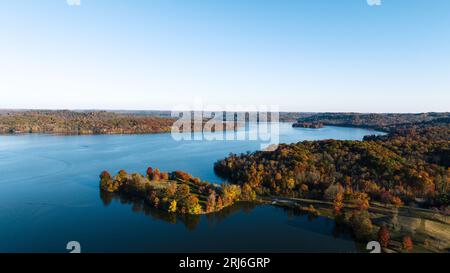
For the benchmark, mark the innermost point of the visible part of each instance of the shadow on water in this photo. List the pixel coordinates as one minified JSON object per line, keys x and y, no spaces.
{"x":294,"y":215}
{"x":190,"y":221}
{"x":295,"y":218}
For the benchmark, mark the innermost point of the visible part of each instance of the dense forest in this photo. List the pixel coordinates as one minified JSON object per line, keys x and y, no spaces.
{"x":142,"y":122}
{"x":71,"y":122}
{"x":408,"y":165}
{"x":383,"y":122}
{"x":95,"y":122}
{"x":176,"y":192}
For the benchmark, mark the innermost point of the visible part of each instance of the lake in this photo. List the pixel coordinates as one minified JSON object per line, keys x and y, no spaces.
{"x":49,"y":195}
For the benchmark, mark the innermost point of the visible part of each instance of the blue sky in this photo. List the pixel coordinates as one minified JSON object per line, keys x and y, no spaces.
{"x":316,"y":55}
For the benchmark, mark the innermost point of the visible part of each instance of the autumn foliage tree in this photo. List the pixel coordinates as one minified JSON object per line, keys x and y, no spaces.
{"x":248,"y":194}
{"x":156,"y":175}
{"x":278,"y":176}
{"x":105,"y":175}
{"x":211,"y":202}
{"x":396,"y":201}
{"x":122,"y":173}
{"x":181,"y":175}
{"x":230,"y":193}
{"x":150,"y":173}
{"x":171,"y":189}
{"x":192,"y":205}
{"x":384,"y":236}
{"x":338,"y":203}
{"x":173,"y":206}
{"x":361,"y":200}
{"x":407,"y":243}
{"x":182,"y":191}
{"x":219,"y":203}
{"x":165,"y":176}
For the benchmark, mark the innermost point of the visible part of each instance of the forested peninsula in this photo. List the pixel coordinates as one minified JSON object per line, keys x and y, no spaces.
{"x":366,"y":183}
{"x":175,"y":192}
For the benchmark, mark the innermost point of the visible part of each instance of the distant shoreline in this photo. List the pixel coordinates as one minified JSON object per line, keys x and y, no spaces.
{"x":89,"y":123}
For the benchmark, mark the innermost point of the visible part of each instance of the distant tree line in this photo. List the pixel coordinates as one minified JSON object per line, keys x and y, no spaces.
{"x":73,"y":122}
{"x":383,"y":122}
{"x":93,"y":122}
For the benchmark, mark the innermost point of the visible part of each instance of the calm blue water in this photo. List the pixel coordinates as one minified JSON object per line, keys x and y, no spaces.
{"x":49,"y":195}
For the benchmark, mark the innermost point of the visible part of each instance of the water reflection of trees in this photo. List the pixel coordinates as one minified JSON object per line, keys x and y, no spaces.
{"x":294,"y":212}
{"x":338,"y":231}
{"x":190,"y":221}
{"x":216,"y":218}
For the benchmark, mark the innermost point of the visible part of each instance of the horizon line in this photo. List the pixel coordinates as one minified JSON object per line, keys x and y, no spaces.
{"x":165,"y":110}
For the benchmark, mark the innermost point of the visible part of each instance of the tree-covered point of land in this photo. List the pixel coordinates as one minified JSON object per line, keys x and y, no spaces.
{"x":410,"y":164}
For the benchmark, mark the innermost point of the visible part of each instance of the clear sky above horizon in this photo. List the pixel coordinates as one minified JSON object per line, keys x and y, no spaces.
{"x":316,"y":55}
